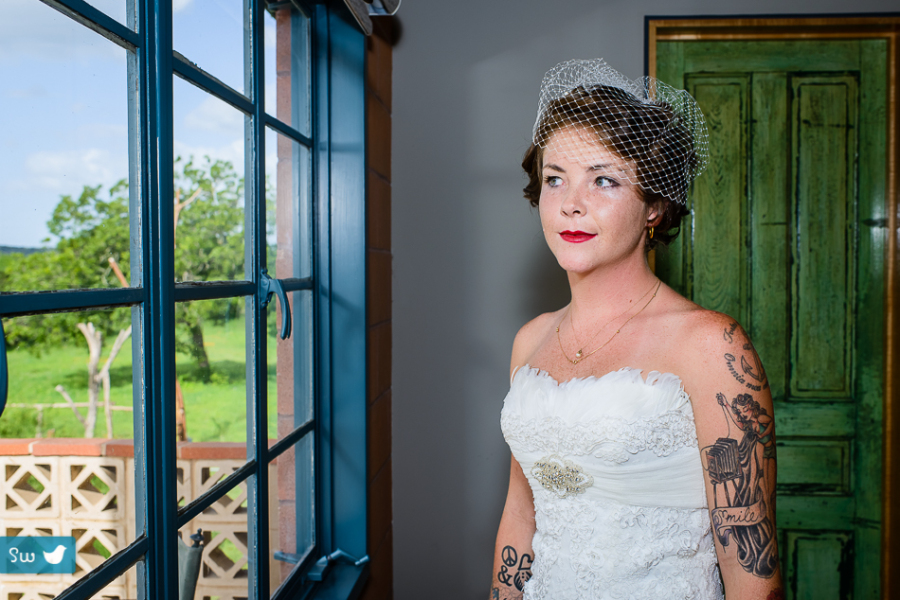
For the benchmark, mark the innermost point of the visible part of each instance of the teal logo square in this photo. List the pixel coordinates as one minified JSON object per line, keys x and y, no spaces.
{"x":37,"y":555}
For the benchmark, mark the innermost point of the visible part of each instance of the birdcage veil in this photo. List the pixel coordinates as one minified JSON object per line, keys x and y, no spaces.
{"x":657,"y":129}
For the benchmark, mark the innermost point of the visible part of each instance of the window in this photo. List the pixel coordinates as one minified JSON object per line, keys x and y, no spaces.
{"x":201,"y":167}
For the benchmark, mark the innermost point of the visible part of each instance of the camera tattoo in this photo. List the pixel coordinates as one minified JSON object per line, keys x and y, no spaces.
{"x":515,"y":571}
{"x":745,"y":470}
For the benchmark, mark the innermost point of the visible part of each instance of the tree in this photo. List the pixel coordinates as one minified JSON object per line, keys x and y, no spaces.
{"x":86,"y":226}
{"x":93,"y":235}
{"x":209,"y":246}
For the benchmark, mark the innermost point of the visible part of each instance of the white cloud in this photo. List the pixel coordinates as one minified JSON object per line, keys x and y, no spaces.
{"x":66,"y":172}
{"x":179,"y":5}
{"x":215,"y":116}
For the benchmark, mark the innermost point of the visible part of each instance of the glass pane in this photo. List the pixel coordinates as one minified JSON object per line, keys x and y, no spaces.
{"x":288,"y":207}
{"x":223,"y":564}
{"x":84,"y":357}
{"x":290,"y":364}
{"x":117,"y":9}
{"x":63,"y":153}
{"x":72,"y":387}
{"x":210,"y":33}
{"x":209,"y":187}
{"x":287,"y":67}
{"x":210,"y":386}
{"x":283,"y":511}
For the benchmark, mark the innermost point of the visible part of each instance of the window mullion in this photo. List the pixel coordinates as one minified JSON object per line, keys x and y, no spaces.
{"x":257,"y":413}
{"x":155,"y":454}
{"x":322,"y":279}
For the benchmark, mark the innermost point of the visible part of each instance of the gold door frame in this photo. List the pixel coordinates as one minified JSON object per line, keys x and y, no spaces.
{"x":820,"y":28}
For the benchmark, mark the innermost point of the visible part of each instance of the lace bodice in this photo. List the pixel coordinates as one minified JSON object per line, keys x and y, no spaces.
{"x":619,"y":498}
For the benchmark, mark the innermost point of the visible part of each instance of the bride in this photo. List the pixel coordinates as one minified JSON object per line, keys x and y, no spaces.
{"x":643,"y":446}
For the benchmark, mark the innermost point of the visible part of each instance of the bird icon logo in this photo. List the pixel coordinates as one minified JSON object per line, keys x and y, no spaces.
{"x":55,"y":557}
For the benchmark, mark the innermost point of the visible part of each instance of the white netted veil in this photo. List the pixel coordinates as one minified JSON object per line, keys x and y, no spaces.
{"x":658,"y":128}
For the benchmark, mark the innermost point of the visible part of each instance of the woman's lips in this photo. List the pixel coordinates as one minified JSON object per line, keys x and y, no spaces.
{"x":576,"y":237}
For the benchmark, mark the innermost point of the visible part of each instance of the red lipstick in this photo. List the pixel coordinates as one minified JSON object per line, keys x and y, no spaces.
{"x":576,"y":237}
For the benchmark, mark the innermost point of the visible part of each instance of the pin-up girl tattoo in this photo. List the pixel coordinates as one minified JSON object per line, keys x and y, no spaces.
{"x":745,"y":470}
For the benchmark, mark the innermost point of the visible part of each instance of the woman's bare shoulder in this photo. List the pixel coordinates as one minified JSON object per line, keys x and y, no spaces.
{"x":708,"y":340}
{"x":531,"y":336}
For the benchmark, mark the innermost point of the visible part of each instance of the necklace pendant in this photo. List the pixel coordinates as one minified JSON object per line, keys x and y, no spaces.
{"x":578,"y":354}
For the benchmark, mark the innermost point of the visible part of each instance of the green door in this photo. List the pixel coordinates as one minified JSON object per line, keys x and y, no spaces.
{"x":787,"y":235}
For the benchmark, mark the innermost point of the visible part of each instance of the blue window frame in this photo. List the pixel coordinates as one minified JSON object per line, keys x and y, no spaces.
{"x":332,"y":290}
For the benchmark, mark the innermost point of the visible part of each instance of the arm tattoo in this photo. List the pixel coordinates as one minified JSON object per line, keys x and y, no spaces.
{"x":515,"y":571}
{"x":729,"y":332}
{"x":751,"y":372}
{"x":777,"y":594}
{"x":742,"y":473}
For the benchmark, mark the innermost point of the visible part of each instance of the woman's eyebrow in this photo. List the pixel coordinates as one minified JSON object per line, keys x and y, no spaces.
{"x":601,"y":167}
{"x":555,"y":168}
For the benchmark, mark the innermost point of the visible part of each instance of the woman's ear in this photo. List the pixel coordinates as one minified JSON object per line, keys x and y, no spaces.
{"x":654,"y":215}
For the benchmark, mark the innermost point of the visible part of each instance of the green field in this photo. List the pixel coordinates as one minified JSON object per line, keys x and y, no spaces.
{"x":215,"y":411}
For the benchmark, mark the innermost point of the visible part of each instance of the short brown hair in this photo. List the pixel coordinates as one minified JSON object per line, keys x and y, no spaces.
{"x":638,"y":132}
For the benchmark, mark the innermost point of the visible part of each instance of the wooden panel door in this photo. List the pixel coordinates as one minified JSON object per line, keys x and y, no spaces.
{"x":785,"y":236}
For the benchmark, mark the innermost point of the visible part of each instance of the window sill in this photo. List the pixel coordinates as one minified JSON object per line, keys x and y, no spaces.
{"x":344,"y":582}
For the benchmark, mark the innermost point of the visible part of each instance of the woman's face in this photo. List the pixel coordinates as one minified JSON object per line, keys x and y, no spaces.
{"x":591,"y":214}
{"x":746,"y":412}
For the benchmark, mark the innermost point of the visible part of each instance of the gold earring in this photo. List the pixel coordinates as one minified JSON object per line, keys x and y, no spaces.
{"x":651,"y":232}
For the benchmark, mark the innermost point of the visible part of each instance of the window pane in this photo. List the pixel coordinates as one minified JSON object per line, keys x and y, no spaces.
{"x":82,"y":356}
{"x":209,"y":187}
{"x":224,"y":564}
{"x":116,"y":9}
{"x":64,"y":196}
{"x":71,"y":386}
{"x":283,"y":511}
{"x":211,"y":383}
{"x":287,"y":51}
{"x":288,"y":214}
{"x":210,"y":33}
{"x":290,"y":365}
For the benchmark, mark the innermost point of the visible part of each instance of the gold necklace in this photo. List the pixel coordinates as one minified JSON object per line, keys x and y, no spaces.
{"x":580,"y":352}
{"x":580,"y":356}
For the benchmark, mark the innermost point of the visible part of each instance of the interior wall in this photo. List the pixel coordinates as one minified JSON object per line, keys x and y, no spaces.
{"x":470,"y":265}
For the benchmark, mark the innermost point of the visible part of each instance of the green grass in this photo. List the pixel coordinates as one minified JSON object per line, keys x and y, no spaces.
{"x":215,"y":411}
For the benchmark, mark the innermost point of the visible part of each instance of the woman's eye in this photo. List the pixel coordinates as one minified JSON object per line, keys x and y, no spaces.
{"x":553,"y":181}
{"x":605,"y":182}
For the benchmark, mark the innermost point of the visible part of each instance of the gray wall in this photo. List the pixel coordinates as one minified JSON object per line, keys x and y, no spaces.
{"x":470,"y":265}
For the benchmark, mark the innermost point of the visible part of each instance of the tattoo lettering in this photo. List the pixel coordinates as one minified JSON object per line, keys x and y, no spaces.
{"x":754,"y":372}
{"x":729,"y":333}
{"x":748,"y":466}
{"x":495,"y":594}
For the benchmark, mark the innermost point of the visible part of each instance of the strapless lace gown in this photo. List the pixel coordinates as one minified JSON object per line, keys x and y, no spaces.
{"x":619,"y":498}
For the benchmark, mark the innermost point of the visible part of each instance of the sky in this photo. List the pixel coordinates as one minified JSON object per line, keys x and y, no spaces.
{"x":63,"y":94}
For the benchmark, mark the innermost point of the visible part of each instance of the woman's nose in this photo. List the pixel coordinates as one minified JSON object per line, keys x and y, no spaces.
{"x":573,"y":204}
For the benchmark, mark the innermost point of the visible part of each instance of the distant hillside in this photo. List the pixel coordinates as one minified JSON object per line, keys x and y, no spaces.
{"x":20,"y":250}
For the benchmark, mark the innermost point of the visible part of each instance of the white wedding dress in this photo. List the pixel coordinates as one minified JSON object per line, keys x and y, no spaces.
{"x":619,"y":499}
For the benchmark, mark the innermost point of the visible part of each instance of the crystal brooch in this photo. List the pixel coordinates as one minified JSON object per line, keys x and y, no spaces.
{"x":560,"y":476}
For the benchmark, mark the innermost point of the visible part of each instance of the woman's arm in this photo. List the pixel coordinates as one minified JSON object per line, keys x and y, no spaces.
{"x":732,"y":402}
{"x":512,"y":553}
